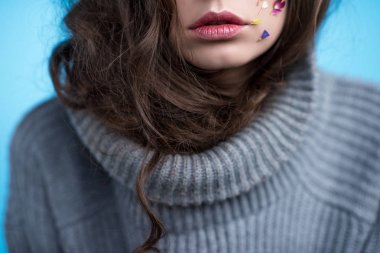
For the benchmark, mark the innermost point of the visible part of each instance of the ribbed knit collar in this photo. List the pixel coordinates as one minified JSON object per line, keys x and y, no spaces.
{"x":226,"y":170}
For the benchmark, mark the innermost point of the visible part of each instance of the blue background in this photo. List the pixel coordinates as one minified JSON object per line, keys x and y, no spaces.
{"x":348,"y":45}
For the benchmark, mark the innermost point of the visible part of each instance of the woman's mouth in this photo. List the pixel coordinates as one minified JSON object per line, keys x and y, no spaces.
{"x":217,"y":26}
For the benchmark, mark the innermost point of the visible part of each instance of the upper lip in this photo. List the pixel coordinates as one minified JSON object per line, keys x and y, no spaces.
{"x":214,"y":16}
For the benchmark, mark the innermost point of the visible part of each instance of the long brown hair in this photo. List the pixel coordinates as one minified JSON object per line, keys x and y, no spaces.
{"x":118,"y":64}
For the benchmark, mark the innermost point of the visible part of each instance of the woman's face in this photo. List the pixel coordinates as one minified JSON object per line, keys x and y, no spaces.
{"x":235,"y":51}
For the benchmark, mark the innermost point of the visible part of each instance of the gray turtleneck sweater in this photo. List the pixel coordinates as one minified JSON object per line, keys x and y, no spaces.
{"x":303,"y":177}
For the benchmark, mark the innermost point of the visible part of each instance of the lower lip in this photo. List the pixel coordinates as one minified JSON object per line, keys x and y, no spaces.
{"x":217,"y":32}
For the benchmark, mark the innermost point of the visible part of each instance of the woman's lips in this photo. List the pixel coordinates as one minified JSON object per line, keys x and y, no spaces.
{"x":217,"y":32}
{"x":204,"y":29}
{"x":224,"y":16}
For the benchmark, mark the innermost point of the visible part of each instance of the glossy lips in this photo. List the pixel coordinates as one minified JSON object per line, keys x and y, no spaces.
{"x":218,"y":17}
{"x":205,"y":29}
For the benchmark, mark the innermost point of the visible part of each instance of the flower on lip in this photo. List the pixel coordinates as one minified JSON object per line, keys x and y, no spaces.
{"x":213,"y":18}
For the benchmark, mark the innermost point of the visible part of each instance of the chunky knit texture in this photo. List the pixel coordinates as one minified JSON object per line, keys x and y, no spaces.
{"x":302,"y":177}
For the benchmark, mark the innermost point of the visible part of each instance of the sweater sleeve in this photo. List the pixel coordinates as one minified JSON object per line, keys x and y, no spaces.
{"x":29,"y":224}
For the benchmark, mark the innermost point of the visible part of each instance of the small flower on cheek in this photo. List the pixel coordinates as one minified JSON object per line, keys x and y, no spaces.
{"x":278,"y":6}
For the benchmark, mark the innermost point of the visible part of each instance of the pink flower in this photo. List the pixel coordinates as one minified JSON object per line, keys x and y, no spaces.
{"x":278,"y":6}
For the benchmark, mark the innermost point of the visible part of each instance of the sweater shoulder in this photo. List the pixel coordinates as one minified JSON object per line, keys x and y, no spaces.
{"x":75,"y":182}
{"x":345,"y":92}
{"x":342,"y":153}
{"x":352,"y":111}
{"x":43,"y":137}
{"x":357,"y":90}
{"x":349,"y":112}
{"x":351,"y":103}
{"x":36,"y":125}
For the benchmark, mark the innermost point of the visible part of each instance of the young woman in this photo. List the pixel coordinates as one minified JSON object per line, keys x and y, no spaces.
{"x":196,"y":126}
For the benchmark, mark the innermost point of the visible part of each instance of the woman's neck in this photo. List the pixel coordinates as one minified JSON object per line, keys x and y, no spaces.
{"x":231,"y":81}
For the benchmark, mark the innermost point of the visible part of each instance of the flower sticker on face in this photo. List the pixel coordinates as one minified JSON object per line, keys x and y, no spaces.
{"x":278,"y":6}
